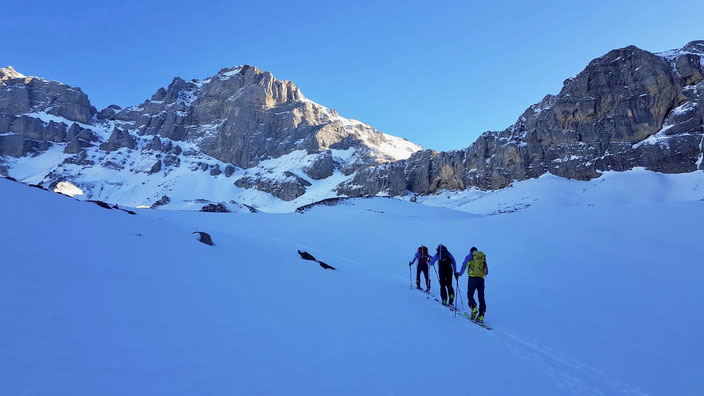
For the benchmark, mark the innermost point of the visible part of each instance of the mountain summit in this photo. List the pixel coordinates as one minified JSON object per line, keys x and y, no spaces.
{"x":238,"y":122}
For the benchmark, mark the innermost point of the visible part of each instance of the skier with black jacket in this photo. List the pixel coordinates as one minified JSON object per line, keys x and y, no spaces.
{"x":446,"y":268}
{"x":422,"y":258}
{"x":475,"y":262}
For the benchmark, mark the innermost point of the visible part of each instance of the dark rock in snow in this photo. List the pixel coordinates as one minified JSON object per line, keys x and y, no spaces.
{"x":324,"y":202}
{"x":215,"y":208}
{"x":161,"y":202}
{"x":155,"y":168}
{"x":215,"y":170}
{"x":101,"y":204}
{"x":119,"y":139}
{"x":306,"y":256}
{"x":204,"y":237}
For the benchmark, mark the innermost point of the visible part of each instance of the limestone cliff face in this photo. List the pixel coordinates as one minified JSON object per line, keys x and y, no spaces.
{"x":22,"y":98}
{"x":240,"y":117}
{"x":244,"y":115}
{"x":628,"y":108}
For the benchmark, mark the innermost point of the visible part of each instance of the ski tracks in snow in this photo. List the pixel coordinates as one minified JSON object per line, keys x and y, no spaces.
{"x":574,"y":376}
{"x":570,"y":374}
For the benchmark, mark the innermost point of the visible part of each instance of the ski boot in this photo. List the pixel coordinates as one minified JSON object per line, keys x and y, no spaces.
{"x":480,"y":318}
{"x":444,"y":302}
{"x":474,"y":313}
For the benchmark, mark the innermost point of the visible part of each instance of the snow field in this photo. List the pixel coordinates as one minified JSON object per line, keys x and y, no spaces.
{"x":101,"y":302}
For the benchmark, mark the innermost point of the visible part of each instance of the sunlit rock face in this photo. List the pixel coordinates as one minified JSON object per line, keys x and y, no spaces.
{"x":68,"y":188}
{"x":629,"y":108}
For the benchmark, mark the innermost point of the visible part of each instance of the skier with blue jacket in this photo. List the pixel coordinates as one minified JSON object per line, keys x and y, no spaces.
{"x":446,"y":267}
{"x":422,"y":258}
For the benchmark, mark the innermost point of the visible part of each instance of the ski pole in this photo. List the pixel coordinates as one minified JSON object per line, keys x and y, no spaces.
{"x":458,"y":290}
{"x":459,"y":293}
{"x":410,"y":277}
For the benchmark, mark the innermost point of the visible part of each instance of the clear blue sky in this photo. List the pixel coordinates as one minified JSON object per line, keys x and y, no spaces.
{"x":436,"y":73}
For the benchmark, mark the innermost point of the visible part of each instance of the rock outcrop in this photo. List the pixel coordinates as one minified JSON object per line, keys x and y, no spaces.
{"x":244,"y":115}
{"x":287,"y":188}
{"x":629,"y":108}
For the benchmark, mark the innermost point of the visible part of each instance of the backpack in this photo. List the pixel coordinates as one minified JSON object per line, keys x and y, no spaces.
{"x":423,"y":255}
{"x":477,"y":267}
{"x":444,"y":258}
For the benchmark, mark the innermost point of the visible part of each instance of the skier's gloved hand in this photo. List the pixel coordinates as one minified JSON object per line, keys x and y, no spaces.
{"x":410,"y":263}
{"x":457,"y":275}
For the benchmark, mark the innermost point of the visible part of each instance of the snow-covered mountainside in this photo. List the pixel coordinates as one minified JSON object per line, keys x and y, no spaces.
{"x":601,"y":299}
{"x":243,"y":140}
{"x":238,"y":134}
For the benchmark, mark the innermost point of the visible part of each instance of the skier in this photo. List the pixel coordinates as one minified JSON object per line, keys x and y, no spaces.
{"x":422,"y":257}
{"x":475,"y":262}
{"x":446,"y":267}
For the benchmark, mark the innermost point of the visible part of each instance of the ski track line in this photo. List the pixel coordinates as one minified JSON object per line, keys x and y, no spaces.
{"x":573,"y":374}
{"x":570,"y":374}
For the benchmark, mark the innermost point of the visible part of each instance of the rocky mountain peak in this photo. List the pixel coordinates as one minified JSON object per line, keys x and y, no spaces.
{"x":241,"y":122}
{"x":695,"y":47}
{"x":7,"y":73}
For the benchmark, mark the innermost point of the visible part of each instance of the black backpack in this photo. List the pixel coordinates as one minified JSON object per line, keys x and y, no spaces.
{"x":444,"y":257}
{"x":423,"y":255}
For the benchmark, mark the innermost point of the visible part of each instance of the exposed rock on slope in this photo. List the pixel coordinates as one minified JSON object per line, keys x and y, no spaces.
{"x":628,"y":108}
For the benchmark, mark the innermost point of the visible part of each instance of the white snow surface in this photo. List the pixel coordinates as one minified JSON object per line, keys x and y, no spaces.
{"x":637,"y":186}
{"x":602,"y":299}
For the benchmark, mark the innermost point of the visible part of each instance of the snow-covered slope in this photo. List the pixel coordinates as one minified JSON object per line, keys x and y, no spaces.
{"x":637,"y":186}
{"x":602,"y":299}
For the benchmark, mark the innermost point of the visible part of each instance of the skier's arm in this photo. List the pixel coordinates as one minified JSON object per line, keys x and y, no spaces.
{"x":464,"y":264}
{"x":454,"y":263}
{"x":432,"y":261}
{"x":416,"y":257}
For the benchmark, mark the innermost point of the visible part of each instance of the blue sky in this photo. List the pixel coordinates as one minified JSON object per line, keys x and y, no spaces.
{"x":437,"y":74}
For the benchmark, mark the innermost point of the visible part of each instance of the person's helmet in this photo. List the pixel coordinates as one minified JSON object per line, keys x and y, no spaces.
{"x":473,"y":249}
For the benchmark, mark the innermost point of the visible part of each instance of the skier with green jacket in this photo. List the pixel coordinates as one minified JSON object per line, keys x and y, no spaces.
{"x":475,"y":263}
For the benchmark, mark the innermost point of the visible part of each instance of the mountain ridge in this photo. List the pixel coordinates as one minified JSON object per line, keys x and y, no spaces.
{"x":628,"y":108}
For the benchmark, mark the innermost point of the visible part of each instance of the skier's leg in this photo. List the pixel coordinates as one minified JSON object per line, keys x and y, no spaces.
{"x":418,"y":276}
{"x":471,"y":286}
{"x":480,"y":294}
{"x":450,"y":288}
{"x":446,"y":279}
{"x":427,"y":278}
{"x":443,"y":286}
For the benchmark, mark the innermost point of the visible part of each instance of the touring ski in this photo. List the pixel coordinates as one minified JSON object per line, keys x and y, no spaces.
{"x":466,"y":316}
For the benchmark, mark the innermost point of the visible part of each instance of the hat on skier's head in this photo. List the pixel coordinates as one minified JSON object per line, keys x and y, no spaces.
{"x":473,"y":249}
